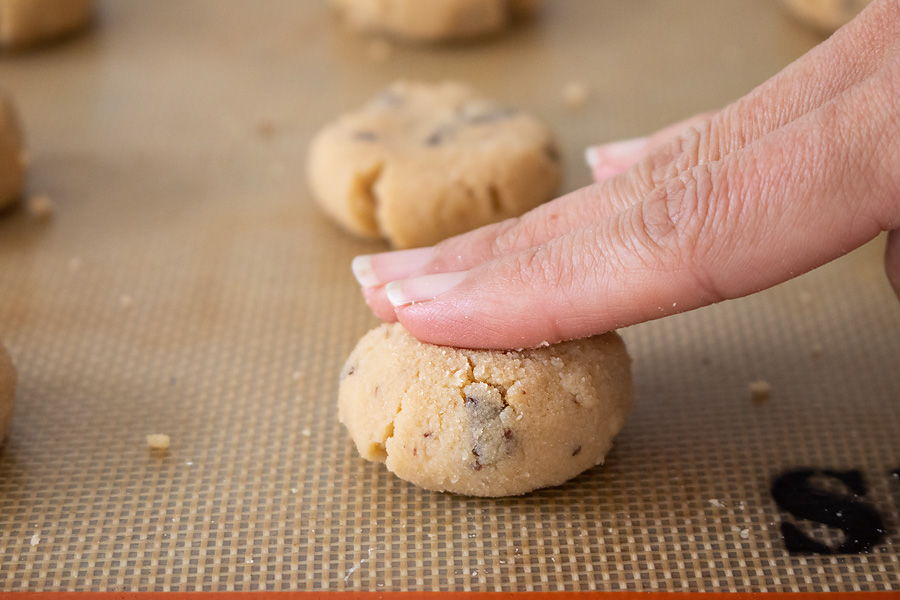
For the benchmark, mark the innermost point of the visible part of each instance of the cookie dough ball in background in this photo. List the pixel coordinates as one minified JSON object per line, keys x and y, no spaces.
{"x":484,"y":423}
{"x":7,"y":391}
{"x":12,"y":156}
{"x":825,"y":15}
{"x":422,"y":162}
{"x":432,"y":20}
{"x":27,"y":22}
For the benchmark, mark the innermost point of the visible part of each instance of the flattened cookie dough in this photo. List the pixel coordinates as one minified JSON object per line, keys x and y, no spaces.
{"x":422,"y":162}
{"x":432,"y":20}
{"x":7,"y":391}
{"x":484,"y":423}
{"x":26,"y":22}
{"x":12,"y":157}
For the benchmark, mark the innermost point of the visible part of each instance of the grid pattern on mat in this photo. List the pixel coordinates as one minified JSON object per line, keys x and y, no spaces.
{"x":188,"y":286}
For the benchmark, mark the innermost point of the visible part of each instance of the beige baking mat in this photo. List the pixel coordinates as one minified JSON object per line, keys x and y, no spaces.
{"x":188,"y":286}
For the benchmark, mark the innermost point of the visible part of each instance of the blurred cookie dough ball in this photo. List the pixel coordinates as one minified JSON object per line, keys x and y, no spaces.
{"x":27,"y":22}
{"x":422,"y":162}
{"x":12,"y":154}
{"x":433,"y":20}
{"x":825,"y":15}
{"x":7,"y":391}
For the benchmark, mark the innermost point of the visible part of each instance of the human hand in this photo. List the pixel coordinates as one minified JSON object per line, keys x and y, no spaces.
{"x":798,"y":172}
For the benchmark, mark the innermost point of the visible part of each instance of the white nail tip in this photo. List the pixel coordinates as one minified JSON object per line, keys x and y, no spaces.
{"x":395,"y":294}
{"x":363,"y":271}
{"x":590,"y":157}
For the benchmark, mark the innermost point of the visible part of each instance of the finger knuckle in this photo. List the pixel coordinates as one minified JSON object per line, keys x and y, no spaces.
{"x":680,"y":224}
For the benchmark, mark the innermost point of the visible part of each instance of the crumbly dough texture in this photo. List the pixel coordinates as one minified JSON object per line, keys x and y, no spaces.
{"x":825,"y":15}
{"x":432,"y":20}
{"x":422,"y":162}
{"x":7,"y":391}
{"x":26,"y":22}
{"x":484,"y":423}
{"x":12,"y":162}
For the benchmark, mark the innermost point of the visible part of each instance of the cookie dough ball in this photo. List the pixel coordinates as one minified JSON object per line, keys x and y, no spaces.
{"x":825,"y":15}
{"x":432,"y":20}
{"x":484,"y":423}
{"x":420,"y":163}
{"x":7,"y":391}
{"x":26,"y":22}
{"x":12,"y":156}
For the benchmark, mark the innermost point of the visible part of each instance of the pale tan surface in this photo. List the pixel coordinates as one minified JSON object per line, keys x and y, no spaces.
{"x":484,"y":423}
{"x":12,"y":167}
{"x":26,"y":22}
{"x":424,"y":161}
{"x":145,"y":133}
{"x":7,"y":392}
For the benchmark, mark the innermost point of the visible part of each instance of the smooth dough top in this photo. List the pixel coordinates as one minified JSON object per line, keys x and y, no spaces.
{"x":484,"y":423}
{"x":24,"y":22}
{"x":422,"y":162}
{"x":432,"y":20}
{"x":7,"y":391}
{"x":12,"y":163}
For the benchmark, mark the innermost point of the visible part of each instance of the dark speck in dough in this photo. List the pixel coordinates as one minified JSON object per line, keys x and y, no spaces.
{"x":576,"y":451}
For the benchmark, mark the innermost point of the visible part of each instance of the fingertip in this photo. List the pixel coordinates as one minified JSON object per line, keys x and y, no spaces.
{"x":378,"y":303}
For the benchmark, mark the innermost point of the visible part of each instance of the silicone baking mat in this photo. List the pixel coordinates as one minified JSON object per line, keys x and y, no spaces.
{"x":187,"y":285}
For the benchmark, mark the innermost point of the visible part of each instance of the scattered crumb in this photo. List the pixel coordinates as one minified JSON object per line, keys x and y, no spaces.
{"x":717,"y":503}
{"x":75,"y":264}
{"x":248,"y":561}
{"x":293,"y":490}
{"x":305,"y":432}
{"x":125,"y":301}
{"x":379,"y":50}
{"x":760,"y":390}
{"x":189,"y":463}
{"x":296,"y":375}
{"x":35,"y":540}
{"x":745,"y":533}
{"x":265,"y":128}
{"x":575,"y":94}
{"x":40,"y":207}
{"x":158,"y":441}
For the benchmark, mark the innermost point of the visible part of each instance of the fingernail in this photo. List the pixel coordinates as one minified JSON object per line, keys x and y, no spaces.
{"x":619,"y":155}
{"x":375,"y":269}
{"x":422,"y":289}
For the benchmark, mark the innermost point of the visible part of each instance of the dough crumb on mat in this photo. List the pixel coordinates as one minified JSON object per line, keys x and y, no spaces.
{"x":40,"y":207}
{"x":484,"y":423}
{"x":158,"y":441}
{"x":75,"y":263}
{"x":760,"y":390}
{"x":421,"y":162}
{"x":575,"y":95}
{"x":126,"y":301}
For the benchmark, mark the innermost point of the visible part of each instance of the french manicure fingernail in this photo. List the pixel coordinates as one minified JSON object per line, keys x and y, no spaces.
{"x":421,"y":289}
{"x":375,"y":269}
{"x":625,"y":152}
{"x":362,"y":270}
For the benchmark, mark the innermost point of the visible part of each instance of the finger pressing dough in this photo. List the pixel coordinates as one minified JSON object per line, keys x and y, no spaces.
{"x":7,"y":391}
{"x":825,"y":15}
{"x":432,"y":20}
{"x":422,"y":162}
{"x":12,"y":157}
{"x":25,"y":22}
{"x":484,"y":423}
